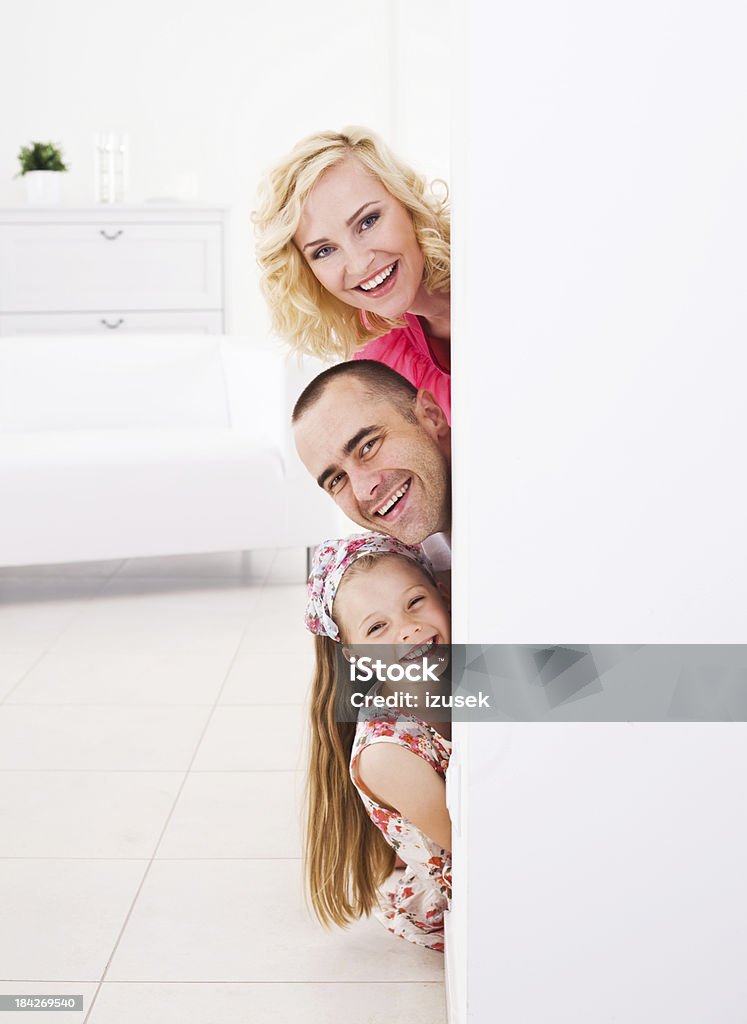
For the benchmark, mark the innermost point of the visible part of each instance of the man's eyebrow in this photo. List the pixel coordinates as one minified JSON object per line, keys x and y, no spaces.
{"x":356,"y":439}
{"x":322,"y":478}
{"x":348,"y":448}
{"x":349,"y":221}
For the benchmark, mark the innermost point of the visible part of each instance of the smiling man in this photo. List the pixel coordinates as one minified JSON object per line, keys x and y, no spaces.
{"x":379,"y":448}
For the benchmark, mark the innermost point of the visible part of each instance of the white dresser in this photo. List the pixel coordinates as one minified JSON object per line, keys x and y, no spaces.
{"x":97,"y":269}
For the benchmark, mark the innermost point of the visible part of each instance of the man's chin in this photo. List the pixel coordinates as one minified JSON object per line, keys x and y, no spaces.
{"x":408,"y":533}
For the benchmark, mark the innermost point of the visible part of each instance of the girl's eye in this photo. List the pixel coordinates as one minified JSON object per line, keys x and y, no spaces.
{"x":368,"y":222}
{"x":375,"y":628}
{"x":322,"y":251}
{"x":415,"y":600}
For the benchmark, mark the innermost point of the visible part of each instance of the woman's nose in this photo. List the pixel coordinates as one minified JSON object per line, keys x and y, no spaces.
{"x":359,"y":264}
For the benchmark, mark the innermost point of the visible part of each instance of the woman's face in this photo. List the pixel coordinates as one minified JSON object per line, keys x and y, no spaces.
{"x":359,"y":241}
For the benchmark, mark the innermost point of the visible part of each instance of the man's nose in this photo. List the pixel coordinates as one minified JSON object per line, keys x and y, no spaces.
{"x":366,"y":482}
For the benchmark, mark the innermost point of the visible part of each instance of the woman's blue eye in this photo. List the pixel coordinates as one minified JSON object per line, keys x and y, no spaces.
{"x":322,"y":251}
{"x":368,"y":222}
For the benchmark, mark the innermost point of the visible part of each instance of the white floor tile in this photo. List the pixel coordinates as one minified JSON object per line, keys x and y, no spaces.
{"x":236,"y":814}
{"x":105,"y":739}
{"x":289,"y":566}
{"x":246,"y":921}
{"x":178,"y":614}
{"x":47,"y":988}
{"x":65,"y":915}
{"x":404,"y":1003}
{"x":125,"y":676}
{"x":34,"y":611}
{"x":253,"y":738}
{"x":84,"y":814}
{"x":13,"y":667}
{"x":259,"y":675}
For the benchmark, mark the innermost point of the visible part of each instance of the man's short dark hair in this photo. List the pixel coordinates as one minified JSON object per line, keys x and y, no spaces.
{"x":379,"y":380}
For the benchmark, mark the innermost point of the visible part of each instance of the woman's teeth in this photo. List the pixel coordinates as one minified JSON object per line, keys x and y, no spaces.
{"x":393,"y":500}
{"x":379,"y":279}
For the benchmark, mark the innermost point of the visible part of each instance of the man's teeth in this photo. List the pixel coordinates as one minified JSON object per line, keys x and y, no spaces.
{"x":393,"y":500}
{"x":376,"y":281}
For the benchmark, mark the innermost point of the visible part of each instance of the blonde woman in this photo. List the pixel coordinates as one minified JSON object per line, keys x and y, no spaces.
{"x":354,"y":252}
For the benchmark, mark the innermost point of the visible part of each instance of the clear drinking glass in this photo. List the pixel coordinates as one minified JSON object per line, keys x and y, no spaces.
{"x":111,"y":152}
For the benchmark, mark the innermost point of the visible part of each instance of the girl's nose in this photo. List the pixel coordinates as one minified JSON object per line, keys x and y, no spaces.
{"x":409,"y":631}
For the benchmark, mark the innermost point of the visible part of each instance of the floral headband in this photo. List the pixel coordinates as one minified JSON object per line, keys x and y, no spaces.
{"x":331,"y":561}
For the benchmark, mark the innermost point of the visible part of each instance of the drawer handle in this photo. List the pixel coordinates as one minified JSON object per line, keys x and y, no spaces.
{"x":112,"y":327}
{"x":108,"y":237}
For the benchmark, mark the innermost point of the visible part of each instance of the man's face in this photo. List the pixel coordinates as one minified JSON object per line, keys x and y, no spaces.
{"x":384,"y":472}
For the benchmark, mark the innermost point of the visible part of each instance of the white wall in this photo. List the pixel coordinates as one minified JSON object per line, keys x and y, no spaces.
{"x":212,"y":92}
{"x":600,"y":422}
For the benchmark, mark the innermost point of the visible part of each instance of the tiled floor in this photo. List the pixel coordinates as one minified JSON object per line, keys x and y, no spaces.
{"x":151,"y":754}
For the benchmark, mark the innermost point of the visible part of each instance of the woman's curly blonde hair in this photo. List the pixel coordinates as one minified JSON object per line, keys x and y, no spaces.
{"x":303,"y":311}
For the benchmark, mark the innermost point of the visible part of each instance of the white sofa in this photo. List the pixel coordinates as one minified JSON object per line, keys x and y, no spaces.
{"x":124,"y":446}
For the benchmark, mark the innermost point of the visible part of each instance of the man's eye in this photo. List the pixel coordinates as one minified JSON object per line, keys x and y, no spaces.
{"x":369,"y":221}
{"x":335,"y":481}
{"x":368,"y":446}
{"x":322,"y":251}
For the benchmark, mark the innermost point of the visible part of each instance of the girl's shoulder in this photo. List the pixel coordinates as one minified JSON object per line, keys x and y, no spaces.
{"x":405,"y":731}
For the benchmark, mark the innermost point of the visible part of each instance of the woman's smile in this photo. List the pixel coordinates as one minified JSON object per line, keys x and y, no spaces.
{"x":380,"y":283}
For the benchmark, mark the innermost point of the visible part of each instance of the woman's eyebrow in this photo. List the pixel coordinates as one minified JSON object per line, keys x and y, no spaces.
{"x":358,"y":212}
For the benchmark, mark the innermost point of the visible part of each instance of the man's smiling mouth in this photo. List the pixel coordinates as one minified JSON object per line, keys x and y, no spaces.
{"x":373,"y":282}
{"x":394,"y":500}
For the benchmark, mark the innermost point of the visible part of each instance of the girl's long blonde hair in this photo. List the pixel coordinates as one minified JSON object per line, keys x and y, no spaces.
{"x":346,"y":857}
{"x":302,"y":311}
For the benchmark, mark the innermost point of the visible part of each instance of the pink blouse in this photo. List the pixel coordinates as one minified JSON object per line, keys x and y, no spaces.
{"x":407,"y":351}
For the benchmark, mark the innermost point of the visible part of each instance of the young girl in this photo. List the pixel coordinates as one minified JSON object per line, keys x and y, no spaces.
{"x":376,"y":787}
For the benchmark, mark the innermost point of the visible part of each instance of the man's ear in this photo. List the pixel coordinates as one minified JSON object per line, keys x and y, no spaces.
{"x":431,"y":415}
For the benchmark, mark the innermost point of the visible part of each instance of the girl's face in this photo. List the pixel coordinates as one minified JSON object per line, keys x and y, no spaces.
{"x":359,"y":241}
{"x":393,"y":602}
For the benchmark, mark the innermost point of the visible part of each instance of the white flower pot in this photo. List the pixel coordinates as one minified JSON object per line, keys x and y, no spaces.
{"x":43,"y":188}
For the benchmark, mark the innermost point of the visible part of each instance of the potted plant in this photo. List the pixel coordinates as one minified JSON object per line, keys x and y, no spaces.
{"x":41,"y":164}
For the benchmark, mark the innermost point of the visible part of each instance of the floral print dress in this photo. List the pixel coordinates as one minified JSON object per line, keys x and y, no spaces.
{"x":414,"y":908}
